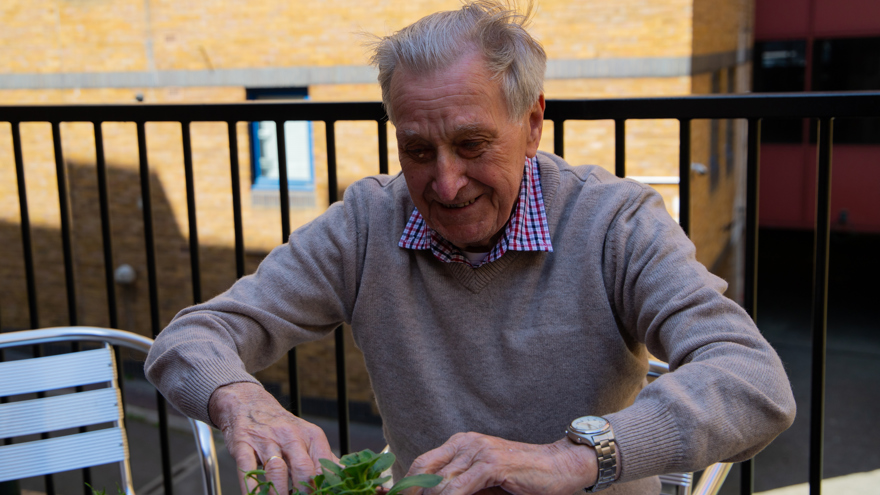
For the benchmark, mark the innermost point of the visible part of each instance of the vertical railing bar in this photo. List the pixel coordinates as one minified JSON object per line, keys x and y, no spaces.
{"x":753,"y":169}
{"x":750,"y":291}
{"x":339,"y":336}
{"x":620,"y":147}
{"x":107,"y":242}
{"x":64,"y":212}
{"x":27,"y":246}
{"x":67,"y":250}
{"x":332,"y":182}
{"x":236,"y":199}
{"x":106,"y":236}
{"x":149,"y":242}
{"x":295,"y":406}
{"x":342,"y":393}
{"x":195,"y":269}
{"x":383,"y":145}
{"x":559,"y":137}
{"x":820,"y":303}
{"x":283,"y":189}
{"x":684,"y":173}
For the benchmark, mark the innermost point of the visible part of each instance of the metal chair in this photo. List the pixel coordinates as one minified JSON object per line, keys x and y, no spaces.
{"x":76,"y":409}
{"x":682,"y":483}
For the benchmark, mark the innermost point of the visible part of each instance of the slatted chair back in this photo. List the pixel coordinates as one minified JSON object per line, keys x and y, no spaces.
{"x":53,"y":413}
{"x":60,"y":406}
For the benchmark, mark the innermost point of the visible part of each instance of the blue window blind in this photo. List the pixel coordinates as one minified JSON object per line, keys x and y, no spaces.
{"x":298,"y":145}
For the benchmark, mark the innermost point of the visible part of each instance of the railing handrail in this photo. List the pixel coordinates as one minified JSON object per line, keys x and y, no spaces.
{"x":725,"y":106}
{"x":751,"y":106}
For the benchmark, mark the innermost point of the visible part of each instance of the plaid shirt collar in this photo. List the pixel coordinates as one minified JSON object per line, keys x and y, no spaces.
{"x":525,"y":231}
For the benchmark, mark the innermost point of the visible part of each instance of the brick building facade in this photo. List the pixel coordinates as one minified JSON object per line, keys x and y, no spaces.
{"x":122,"y":51}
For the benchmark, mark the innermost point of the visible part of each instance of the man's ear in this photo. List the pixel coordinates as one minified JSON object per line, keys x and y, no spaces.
{"x":536,"y":126}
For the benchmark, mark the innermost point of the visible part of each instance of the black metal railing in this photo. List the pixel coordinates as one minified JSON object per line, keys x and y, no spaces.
{"x":752,"y":107}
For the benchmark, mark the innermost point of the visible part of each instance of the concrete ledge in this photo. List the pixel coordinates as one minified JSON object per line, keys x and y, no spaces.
{"x":361,"y":74}
{"x":851,"y":484}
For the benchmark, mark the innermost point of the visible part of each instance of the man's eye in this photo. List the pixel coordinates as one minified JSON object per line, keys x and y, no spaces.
{"x":471,"y":147}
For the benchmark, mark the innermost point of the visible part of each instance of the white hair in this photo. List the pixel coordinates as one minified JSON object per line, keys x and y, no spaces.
{"x":436,"y":41}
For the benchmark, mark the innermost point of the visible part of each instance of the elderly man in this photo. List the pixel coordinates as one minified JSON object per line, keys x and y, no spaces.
{"x":499,"y":295}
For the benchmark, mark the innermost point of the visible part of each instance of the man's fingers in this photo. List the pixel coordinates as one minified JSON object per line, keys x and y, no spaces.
{"x":302,"y":467}
{"x":245,"y":460}
{"x":471,"y":480}
{"x":276,"y":472}
{"x":319,"y":448}
{"x":433,"y":460}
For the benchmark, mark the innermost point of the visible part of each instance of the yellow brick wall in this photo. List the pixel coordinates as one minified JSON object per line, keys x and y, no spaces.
{"x":712,"y":211}
{"x":622,"y":28}
{"x":722,"y":25}
{"x":42,"y":36}
{"x":214,"y":217}
{"x":651,"y":145}
{"x":49,"y":36}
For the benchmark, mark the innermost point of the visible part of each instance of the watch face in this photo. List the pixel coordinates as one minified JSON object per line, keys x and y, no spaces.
{"x":589,"y":423}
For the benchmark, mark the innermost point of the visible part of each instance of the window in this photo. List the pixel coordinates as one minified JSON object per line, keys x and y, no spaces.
{"x":849,"y":64}
{"x":838,"y":64}
{"x":780,"y":66}
{"x":297,"y":141}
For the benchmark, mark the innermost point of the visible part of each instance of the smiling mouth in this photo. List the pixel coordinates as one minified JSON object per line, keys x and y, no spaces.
{"x":461,"y":205}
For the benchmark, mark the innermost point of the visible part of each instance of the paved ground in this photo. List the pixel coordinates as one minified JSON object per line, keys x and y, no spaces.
{"x":853,"y":358}
{"x":853,"y":392}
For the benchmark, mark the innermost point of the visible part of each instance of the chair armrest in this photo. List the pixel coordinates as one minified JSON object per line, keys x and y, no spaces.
{"x":712,"y":479}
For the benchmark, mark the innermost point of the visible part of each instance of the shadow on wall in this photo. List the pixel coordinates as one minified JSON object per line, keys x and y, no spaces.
{"x":174,"y":277}
{"x":127,"y":235}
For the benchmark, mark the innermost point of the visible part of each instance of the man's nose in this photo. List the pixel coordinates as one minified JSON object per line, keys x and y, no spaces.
{"x":450,"y":176}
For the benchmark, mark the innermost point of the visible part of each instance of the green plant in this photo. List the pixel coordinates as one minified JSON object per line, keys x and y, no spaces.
{"x":103,"y":491}
{"x":359,"y":474}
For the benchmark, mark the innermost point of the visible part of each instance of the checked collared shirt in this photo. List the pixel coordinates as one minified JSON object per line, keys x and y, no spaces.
{"x":526,"y":229}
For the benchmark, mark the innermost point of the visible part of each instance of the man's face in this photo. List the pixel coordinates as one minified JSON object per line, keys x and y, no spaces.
{"x":460,"y":153}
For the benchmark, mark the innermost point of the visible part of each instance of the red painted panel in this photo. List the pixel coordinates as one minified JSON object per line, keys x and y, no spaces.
{"x":835,"y":18}
{"x":782,"y":19}
{"x":782,"y":184}
{"x":788,"y":187}
{"x":855,"y":188}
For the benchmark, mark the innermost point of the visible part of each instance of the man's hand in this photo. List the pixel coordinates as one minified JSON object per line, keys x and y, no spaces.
{"x":471,"y":462}
{"x":258,"y":430}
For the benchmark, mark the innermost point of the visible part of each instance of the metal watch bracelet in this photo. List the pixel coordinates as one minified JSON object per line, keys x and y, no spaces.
{"x":606,"y":453}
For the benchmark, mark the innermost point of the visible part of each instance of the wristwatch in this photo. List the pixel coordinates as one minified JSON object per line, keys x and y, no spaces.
{"x":597,"y":433}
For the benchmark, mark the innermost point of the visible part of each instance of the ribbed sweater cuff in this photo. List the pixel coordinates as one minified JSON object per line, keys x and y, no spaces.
{"x":647,"y":439}
{"x":194,"y":391}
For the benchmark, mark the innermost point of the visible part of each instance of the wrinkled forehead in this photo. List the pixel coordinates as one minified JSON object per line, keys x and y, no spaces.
{"x":459,"y":98}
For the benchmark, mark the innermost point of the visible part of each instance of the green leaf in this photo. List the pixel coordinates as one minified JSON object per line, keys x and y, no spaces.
{"x":380,"y":481}
{"x":420,"y":480}
{"x":331,"y":480}
{"x":383,"y":462}
{"x":357,"y":457}
{"x":331,"y":466}
{"x":96,"y":492}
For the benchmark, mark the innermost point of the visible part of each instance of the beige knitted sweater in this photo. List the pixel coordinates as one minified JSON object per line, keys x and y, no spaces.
{"x":516,"y":348}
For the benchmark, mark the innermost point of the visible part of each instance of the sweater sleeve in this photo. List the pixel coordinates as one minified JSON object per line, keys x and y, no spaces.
{"x":301,"y":291}
{"x":728,"y":395}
